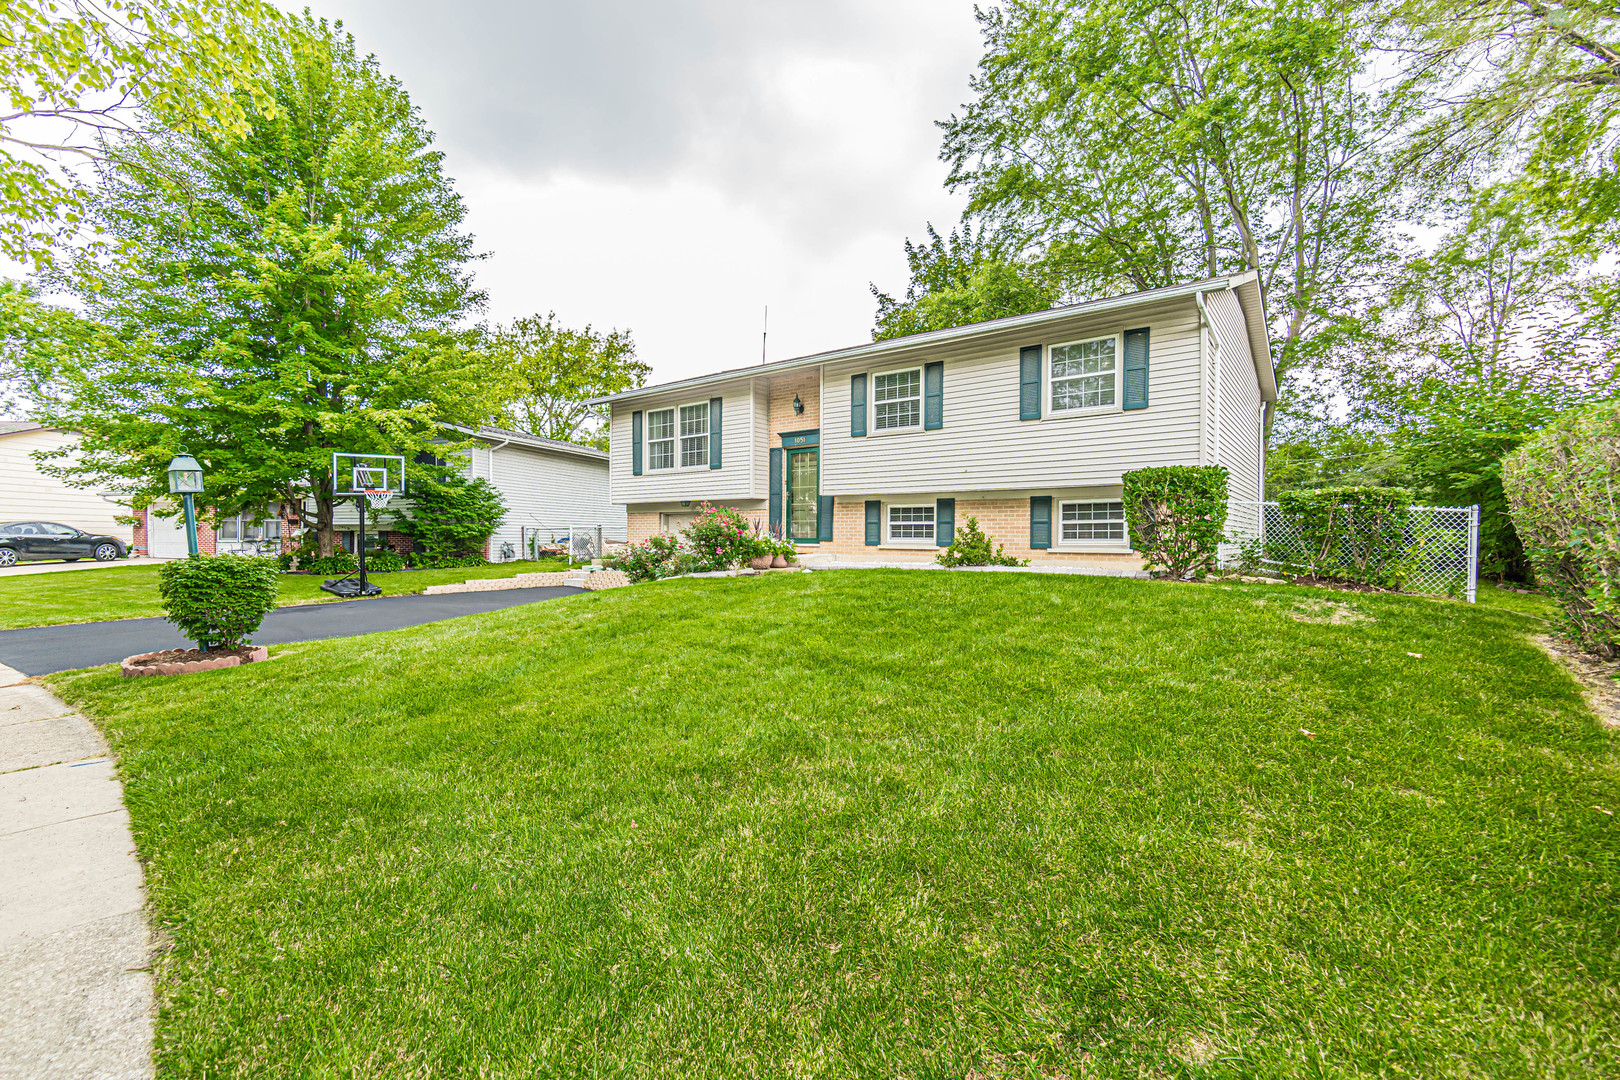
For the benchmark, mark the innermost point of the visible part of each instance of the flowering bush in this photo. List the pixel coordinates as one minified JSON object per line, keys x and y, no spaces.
{"x":720,"y":538}
{"x":653,"y":558}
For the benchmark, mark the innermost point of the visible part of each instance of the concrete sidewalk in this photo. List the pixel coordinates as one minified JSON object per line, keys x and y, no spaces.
{"x":76,"y":993}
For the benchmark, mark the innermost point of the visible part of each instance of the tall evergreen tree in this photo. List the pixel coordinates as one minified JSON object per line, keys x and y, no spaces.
{"x":269,"y":298}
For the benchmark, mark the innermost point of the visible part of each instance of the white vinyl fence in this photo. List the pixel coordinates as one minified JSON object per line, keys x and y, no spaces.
{"x":1436,"y":550}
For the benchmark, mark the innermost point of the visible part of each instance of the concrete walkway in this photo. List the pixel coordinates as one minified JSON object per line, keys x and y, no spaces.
{"x":41,"y":650}
{"x":76,"y":993}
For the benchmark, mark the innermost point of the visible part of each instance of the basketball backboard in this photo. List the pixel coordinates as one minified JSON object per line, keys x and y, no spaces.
{"x":362,"y":474}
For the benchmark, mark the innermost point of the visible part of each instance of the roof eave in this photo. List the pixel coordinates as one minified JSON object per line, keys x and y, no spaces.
{"x":937,"y":337}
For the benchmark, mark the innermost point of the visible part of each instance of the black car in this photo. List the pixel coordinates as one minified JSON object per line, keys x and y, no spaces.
{"x":21,"y":540}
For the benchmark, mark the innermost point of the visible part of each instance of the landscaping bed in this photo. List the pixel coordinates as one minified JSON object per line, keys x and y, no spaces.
{"x":882,"y":823}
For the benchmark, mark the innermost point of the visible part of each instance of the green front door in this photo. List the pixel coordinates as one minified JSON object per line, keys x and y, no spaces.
{"x":804,"y":476}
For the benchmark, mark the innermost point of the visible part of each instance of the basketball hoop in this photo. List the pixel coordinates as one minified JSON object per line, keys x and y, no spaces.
{"x":377,"y":499}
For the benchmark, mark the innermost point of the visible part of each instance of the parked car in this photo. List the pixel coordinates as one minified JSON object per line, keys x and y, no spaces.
{"x":21,"y":540}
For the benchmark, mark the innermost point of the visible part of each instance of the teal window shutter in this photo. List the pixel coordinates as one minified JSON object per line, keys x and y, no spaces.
{"x":776,"y":491}
{"x":933,"y":395}
{"x":1029,"y":382}
{"x":824,"y":519}
{"x":857,"y":405}
{"x":1040,"y":521}
{"x":714,"y":433}
{"x":874,"y":522}
{"x":1136,"y":369}
{"x":944,"y":522}
{"x":635,"y":444}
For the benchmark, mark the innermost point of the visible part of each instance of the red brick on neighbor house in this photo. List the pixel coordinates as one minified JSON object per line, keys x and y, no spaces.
{"x":399,"y":543}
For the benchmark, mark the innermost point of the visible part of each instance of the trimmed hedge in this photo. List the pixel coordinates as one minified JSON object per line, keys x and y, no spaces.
{"x":1563,"y":489}
{"x":1352,"y":534}
{"x":1177,"y":517}
{"x":218,"y":600}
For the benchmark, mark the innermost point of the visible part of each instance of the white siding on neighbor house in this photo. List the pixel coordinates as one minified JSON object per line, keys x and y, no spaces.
{"x":27,"y":493}
{"x":1236,"y":437}
{"x":984,"y":446}
{"x":545,"y":489}
{"x":740,"y":475}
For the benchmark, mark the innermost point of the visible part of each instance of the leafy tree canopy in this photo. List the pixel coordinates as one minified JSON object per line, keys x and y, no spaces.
{"x":1133,"y":144}
{"x":959,"y":280}
{"x":549,"y":372}
{"x":274,"y":295}
{"x":73,"y":72}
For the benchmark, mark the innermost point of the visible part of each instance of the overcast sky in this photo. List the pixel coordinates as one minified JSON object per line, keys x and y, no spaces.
{"x":672,"y":166}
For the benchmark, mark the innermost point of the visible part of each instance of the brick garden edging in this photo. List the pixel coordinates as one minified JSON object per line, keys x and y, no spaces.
{"x":601,"y":579}
{"x":129,"y":667}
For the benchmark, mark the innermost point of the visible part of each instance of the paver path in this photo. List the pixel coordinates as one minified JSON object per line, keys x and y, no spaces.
{"x":40,"y":650}
{"x":76,"y":992}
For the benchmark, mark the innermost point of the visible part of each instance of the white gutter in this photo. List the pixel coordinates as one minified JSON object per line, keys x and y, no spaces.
{"x":939,"y":337}
{"x":1213,"y":371}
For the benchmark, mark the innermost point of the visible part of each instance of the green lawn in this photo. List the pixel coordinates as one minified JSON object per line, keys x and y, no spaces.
{"x":129,"y":592}
{"x":888,"y":824}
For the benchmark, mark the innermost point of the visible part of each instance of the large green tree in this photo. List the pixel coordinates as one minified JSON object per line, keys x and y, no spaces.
{"x":1131,"y":144}
{"x":73,"y":72}
{"x":960,"y":279}
{"x":548,"y":372}
{"x":270,"y":297}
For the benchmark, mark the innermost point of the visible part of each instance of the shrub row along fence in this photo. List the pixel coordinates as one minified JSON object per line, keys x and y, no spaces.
{"x":1420,"y":549}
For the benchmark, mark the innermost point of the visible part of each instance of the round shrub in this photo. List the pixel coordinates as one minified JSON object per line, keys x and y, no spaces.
{"x":1177,"y":517}
{"x":1561,"y":490}
{"x":972,"y":547}
{"x":217,"y":601}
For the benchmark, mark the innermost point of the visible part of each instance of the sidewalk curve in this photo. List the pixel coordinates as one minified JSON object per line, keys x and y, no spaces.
{"x":76,"y":990}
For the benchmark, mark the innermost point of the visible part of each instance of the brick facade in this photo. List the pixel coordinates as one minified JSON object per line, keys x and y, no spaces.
{"x":1005,"y":521}
{"x":780,"y":416}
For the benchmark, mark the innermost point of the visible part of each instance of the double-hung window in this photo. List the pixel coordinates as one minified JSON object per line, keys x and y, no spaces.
{"x":909,"y":524}
{"x":1083,"y":374}
{"x":694,"y":435}
{"x":661,"y":439}
{"x":897,"y":398}
{"x":1084,"y":521}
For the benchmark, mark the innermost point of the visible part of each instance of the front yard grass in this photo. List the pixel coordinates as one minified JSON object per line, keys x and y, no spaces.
{"x":130,"y":592}
{"x":885,"y":823}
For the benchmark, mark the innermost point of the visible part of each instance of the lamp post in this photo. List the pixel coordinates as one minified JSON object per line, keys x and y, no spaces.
{"x":186,"y":480}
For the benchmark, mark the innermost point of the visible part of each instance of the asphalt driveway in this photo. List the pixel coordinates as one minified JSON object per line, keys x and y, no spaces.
{"x":41,"y":650}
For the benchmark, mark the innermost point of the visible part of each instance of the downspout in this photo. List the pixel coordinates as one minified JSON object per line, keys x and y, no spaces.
{"x":492,"y":450}
{"x":1215,"y":339}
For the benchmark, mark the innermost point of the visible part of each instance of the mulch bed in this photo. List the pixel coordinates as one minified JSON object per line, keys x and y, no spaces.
{"x":189,"y":656}
{"x":1599,"y":679}
{"x":186,"y":661}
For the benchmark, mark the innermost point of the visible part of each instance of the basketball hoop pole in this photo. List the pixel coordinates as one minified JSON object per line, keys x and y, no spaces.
{"x":360,"y":505}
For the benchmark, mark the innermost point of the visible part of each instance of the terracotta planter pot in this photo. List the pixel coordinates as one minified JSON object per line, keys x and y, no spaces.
{"x":779,"y":560}
{"x":760,"y":562}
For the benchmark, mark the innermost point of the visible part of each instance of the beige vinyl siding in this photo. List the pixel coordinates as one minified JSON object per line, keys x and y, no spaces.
{"x":739,"y":475}
{"x":27,"y":493}
{"x":983,"y":444}
{"x":1237,"y":398}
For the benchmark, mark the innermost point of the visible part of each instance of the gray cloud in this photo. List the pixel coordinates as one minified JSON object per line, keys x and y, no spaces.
{"x":818,"y":114}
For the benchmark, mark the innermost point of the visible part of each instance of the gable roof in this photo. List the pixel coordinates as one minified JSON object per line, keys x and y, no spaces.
{"x":1246,"y":285}
{"x":17,"y":427}
{"x":535,"y":442}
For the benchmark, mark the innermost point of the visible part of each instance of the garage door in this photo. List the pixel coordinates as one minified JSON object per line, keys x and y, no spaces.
{"x":166,"y":537}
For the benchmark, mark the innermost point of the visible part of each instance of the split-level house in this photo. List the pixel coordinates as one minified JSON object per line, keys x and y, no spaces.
{"x":877,"y":452}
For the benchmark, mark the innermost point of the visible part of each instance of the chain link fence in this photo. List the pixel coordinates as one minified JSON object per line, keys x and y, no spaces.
{"x":1435,"y":550}
{"x":580,"y":543}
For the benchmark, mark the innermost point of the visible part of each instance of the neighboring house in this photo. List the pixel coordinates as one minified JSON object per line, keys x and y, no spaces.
{"x":550,"y":487}
{"x":1026,"y":423}
{"x":28,"y":493}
